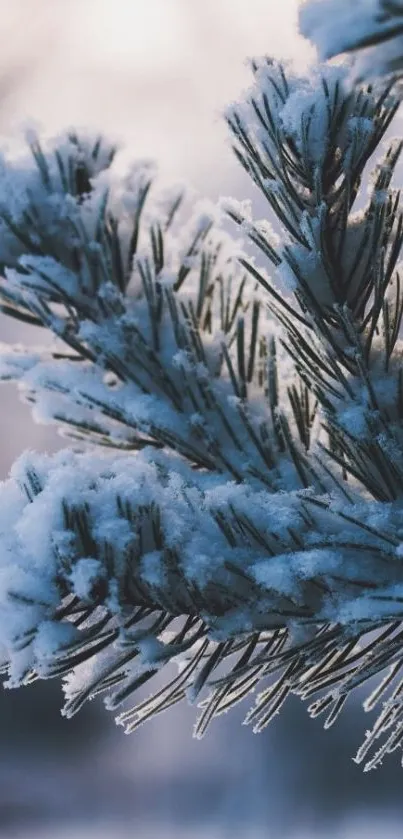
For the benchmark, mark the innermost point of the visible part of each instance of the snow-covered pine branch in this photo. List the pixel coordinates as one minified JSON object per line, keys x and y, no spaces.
{"x":112,"y":567}
{"x":167,"y":337}
{"x":306,"y":142}
{"x":247,"y":522}
{"x":370,"y":29}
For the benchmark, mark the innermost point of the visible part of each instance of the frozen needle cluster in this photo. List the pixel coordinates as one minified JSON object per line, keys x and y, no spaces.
{"x":232,"y":503}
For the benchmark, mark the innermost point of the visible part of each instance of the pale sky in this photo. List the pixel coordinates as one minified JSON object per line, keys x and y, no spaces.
{"x":156,"y":73}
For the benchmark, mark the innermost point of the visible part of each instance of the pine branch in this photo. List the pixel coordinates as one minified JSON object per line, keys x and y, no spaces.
{"x":251,"y":530}
{"x":127,"y":564}
{"x":172,"y":353}
{"x":312,"y":141}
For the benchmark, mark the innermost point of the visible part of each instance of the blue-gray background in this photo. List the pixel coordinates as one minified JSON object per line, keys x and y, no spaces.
{"x":156,"y":74}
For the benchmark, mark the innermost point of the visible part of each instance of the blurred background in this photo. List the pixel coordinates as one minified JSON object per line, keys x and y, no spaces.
{"x":156,"y":75}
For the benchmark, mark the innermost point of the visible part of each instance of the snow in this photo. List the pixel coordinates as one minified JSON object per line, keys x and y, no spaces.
{"x":337,"y":26}
{"x":52,"y":637}
{"x":190,"y":529}
{"x":152,"y":569}
{"x":85,"y":574}
{"x":324,"y":19}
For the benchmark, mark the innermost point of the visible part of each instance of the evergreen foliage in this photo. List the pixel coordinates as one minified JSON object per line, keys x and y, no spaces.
{"x":232,"y":503}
